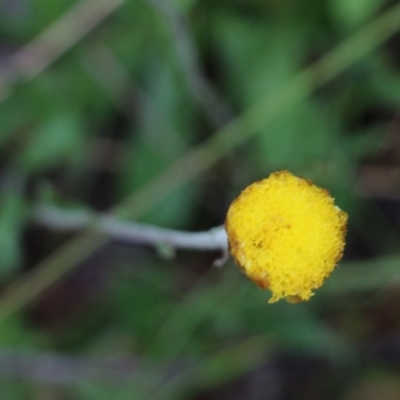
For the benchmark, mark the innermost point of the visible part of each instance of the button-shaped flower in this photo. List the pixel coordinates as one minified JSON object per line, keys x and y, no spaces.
{"x":286,"y":235}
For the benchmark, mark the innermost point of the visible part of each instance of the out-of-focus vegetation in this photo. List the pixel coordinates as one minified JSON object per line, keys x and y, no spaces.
{"x":98,"y":98}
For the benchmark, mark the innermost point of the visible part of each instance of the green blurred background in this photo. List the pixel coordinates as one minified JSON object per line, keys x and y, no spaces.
{"x":162,"y":111}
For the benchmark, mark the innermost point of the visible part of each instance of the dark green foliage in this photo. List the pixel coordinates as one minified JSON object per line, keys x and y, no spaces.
{"x":129,"y":100}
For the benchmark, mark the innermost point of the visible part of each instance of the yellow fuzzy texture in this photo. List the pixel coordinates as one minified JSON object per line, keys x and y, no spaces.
{"x":286,"y":235}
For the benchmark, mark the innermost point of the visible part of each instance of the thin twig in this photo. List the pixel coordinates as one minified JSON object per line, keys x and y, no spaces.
{"x":53,"y":368}
{"x":53,"y":42}
{"x":72,"y":220}
{"x":101,"y":64}
{"x":216,"y":109}
{"x":61,"y":369}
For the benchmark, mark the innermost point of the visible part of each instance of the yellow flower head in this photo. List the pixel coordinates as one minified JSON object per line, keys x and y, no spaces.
{"x":286,"y":235}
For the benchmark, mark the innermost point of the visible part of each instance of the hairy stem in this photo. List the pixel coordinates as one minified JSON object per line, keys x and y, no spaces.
{"x":72,"y":220}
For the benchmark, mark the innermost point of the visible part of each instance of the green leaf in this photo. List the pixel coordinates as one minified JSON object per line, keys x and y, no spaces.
{"x":301,"y":137}
{"x":162,"y":138}
{"x":175,"y":208}
{"x":184,"y":5}
{"x":257,"y":58}
{"x":58,"y":140}
{"x":352,"y":13}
